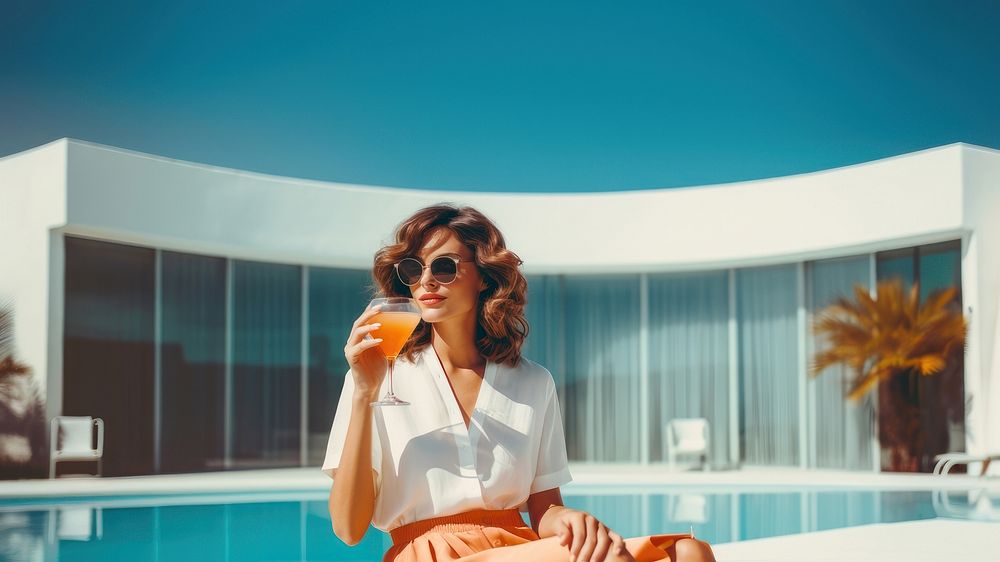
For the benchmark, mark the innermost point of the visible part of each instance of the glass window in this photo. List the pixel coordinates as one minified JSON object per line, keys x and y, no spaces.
{"x":941,"y":398}
{"x":193,"y":362}
{"x":267,"y":362}
{"x":842,"y":434}
{"x":336,"y":298}
{"x":768,"y":352}
{"x":689,"y":357}
{"x":940,"y":267}
{"x":108,"y":357}
{"x":900,"y":264}
{"x":601,"y":386}
{"x":546,"y":325}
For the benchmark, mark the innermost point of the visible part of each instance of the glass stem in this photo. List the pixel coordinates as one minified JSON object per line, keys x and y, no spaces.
{"x":391,"y":360}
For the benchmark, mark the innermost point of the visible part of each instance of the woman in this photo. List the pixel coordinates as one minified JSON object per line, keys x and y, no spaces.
{"x":482,"y":436}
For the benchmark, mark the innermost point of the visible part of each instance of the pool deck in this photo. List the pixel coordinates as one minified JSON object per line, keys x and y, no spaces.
{"x":591,"y":478}
{"x":973,"y":540}
{"x":930,"y":540}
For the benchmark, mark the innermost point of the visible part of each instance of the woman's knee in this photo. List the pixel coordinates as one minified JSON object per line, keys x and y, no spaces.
{"x":693,"y":550}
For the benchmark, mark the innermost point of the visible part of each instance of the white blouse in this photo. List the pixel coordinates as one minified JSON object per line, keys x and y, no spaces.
{"x":430,"y":465}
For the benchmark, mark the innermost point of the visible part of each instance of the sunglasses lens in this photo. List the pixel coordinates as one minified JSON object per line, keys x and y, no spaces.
{"x":409,"y":271}
{"x":444,"y":269}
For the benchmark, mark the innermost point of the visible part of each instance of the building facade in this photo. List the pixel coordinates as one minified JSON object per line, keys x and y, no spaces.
{"x":202,"y":312}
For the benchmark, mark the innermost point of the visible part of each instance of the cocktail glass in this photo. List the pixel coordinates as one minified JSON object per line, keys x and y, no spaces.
{"x":399,"y":316}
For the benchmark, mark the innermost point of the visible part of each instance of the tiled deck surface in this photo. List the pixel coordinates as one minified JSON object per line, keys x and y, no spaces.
{"x":935,"y":539}
{"x":932,"y":540}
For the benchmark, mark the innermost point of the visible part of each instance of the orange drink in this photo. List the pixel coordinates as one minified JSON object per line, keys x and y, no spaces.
{"x":395,"y":330}
{"x":397,"y":318}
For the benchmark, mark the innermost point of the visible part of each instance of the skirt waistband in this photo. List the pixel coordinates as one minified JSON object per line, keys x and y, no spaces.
{"x":465,"y":521}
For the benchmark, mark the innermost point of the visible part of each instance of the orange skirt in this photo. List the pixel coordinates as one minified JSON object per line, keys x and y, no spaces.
{"x":497,"y":536}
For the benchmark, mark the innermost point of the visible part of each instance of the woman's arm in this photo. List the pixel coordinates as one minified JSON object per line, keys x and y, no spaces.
{"x":580,"y":532}
{"x":352,"y":497}
{"x":542,"y":517}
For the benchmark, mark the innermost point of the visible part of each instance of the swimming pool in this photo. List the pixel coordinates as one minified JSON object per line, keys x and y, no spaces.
{"x":296,"y":526}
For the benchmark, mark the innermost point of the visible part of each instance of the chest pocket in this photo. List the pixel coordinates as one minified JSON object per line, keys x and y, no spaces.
{"x":510,"y":426}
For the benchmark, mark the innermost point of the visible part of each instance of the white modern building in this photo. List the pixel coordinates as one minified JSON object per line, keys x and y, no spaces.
{"x":201,"y":311}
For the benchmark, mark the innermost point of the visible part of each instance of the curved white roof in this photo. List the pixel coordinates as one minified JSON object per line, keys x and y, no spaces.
{"x":903,"y":200}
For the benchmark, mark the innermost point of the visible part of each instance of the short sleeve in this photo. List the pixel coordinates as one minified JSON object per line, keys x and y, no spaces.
{"x":338,"y":433}
{"x":552,"y":469}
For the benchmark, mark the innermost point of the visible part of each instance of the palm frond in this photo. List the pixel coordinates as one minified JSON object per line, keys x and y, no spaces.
{"x":890,"y":333}
{"x":8,"y":365}
{"x":6,"y":329}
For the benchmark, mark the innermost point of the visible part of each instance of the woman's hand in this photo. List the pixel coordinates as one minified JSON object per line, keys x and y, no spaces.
{"x":368,"y":365}
{"x":587,"y":539}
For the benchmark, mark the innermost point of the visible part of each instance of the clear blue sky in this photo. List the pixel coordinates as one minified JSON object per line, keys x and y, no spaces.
{"x":505,"y":96}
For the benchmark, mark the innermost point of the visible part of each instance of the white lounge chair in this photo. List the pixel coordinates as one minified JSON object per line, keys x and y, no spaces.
{"x":686,"y":436}
{"x":947,"y":460}
{"x":71,"y":438}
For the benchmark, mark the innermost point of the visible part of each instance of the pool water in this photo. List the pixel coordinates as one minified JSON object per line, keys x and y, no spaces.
{"x":271,"y":527}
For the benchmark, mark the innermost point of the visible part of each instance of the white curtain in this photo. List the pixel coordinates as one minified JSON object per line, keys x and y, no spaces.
{"x":769,"y":385}
{"x":689,"y":357}
{"x":267,"y":364}
{"x":547,"y":326}
{"x":602,"y":368}
{"x":842,"y":430}
{"x":585,"y":330}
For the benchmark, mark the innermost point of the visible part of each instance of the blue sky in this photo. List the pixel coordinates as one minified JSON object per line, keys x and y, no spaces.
{"x":505,"y":96}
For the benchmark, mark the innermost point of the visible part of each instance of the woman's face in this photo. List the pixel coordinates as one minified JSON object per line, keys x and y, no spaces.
{"x":461,"y":296}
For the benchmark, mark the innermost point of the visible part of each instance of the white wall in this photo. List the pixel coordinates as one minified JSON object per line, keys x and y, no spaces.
{"x":32,"y":201}
{"x":981,"y":171}
{"x":899,"y":201}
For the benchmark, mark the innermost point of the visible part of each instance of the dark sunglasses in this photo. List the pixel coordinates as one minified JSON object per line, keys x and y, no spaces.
{"x":444,"y":269}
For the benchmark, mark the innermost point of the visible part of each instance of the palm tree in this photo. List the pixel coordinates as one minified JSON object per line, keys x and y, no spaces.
{"x":893,"y":339}
{"x":9,"y":367}
{"x":22,"y":426}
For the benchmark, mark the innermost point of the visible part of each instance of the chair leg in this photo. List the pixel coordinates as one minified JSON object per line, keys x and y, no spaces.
{"x":52,"y":468}
{"x":100,"y":463}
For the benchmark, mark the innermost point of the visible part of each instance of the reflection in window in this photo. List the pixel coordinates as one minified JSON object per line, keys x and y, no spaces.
{"x":193,"y":362}
{"x":108,"y":355}
{"x":267,"y":359}
{"x":942,"y":396}
{"x":336,"y":298}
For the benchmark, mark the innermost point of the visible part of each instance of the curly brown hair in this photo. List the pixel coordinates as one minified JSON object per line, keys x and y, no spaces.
{"x":501,"y":326}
